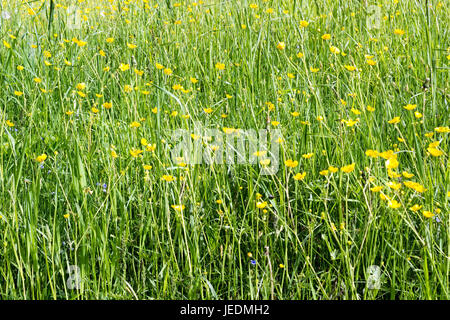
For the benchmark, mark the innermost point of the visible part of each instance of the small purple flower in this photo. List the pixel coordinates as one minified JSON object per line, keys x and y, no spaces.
{"x":436,"y":218}
{"x":253,"y":262}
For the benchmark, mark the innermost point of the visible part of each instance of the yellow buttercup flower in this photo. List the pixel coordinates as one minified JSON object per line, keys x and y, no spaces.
{"x":427,"y":214}
{"x":168,"y":178}
{"x":415,"y":207}
{"x":384,"y":197}
{"x":261,"y":204}
{"x":124,"y":67}
{"x":300,"y":176}
{"x":350,"y":122}
{"x":41,"y":158}
{"x":442,"y":129}
{"x":435,"y":152}
{"x":229,"y":130}
{"x":434,"y":144}
{"x":291,"y":163}
{"x":259,"y":153}
{"x":348,"y":168}
{"x":281,"y":46}
{"x":410,"y":106}
{"x":178,"y":207}
{"x":335,"y":50}
{"x":350,"y":68}
{"x":394,"y":186}
{"x":144,"y":142}
{"x":81,"y":86}
{"x":407,"y":174}
{"x":387,"y":154}
{"x":392,"y":163}
{"x":376,"y":189}
{"x":415,"y":186}
{"x":372,"y":153}
{"x":220,"y":66}
{"x":355,"y":111}
{"x":332,"y":169}
{"x":151,"y":147}
{"x":395,"y":120}
{"x":394,"y":204}
{"x":135,"y":124}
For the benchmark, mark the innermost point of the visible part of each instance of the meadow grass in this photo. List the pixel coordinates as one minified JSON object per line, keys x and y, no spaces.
{"x":80,"y":187}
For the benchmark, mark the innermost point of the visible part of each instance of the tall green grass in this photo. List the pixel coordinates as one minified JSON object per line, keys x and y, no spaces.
{"x":316,"y":239}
